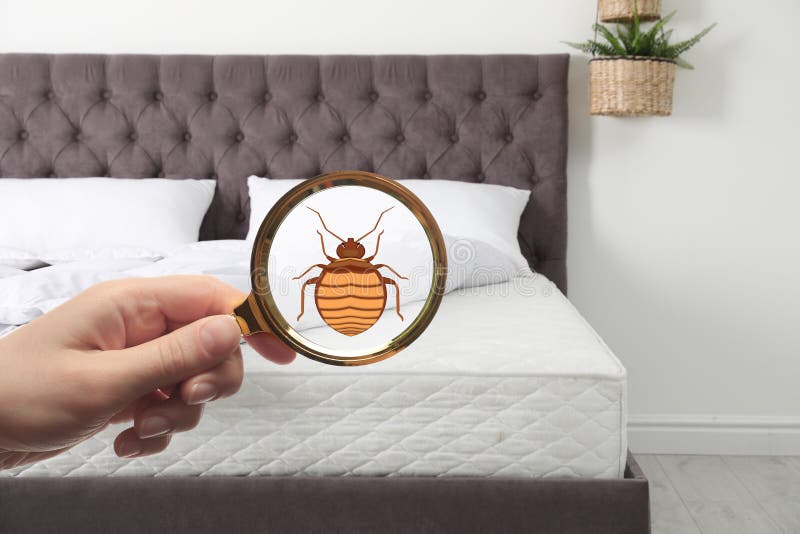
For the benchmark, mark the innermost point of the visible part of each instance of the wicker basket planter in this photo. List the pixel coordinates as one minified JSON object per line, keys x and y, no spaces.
{"x":622,"y":10}
{"x":631,"y":86}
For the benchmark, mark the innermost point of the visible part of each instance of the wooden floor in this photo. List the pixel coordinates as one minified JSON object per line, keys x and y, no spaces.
{"x":726,"y":494}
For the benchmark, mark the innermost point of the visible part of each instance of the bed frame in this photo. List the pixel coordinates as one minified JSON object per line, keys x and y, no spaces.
{"x":495,"y":119}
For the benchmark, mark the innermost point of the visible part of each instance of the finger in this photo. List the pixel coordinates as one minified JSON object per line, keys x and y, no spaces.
{"x":271,"y":348}
{"x":221,"y":381}
{"x":129,"y":411}
{"x":171,"y":302}
{"x":179,"y":355}
{"x":129,"y":445}
{"x":124,"y":313}
{"x":166,"y":417}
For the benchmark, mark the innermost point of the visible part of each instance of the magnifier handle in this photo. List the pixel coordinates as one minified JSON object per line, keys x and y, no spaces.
{"x":249,"y":317}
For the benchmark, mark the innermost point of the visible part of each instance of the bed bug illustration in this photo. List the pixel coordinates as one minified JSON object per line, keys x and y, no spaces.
{"x":350,"y":292}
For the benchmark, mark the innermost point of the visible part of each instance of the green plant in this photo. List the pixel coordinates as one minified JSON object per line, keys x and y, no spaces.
{"x":632,"y":40}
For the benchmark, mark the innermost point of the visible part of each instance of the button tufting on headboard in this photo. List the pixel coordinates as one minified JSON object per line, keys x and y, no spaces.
{"x":471,"y":118}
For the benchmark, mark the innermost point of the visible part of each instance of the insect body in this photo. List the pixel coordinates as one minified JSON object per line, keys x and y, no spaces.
{"x":350,"y":292}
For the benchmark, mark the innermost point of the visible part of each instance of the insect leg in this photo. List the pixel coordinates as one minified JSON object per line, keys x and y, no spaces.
{"x":377,"y":246}
{"x":303,"y":295}
{"x":306,"y":271}
{"x":395,"y":272}
{"x":396,"y":295}
{"x":322,"y":242}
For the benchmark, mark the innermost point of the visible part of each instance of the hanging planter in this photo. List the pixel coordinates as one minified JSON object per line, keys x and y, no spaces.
{"x":622,"y":10}
{"x":631,"y":86}
{"x":633,"y":70}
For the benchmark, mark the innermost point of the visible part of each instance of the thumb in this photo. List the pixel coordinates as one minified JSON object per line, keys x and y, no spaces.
{"x":176,"y":356}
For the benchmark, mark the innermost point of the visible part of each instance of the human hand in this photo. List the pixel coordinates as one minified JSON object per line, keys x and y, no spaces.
{"x":147,"y":350}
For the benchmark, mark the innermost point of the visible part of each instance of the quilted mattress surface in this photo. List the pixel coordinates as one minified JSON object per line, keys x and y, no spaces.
{"x":508,"y":380}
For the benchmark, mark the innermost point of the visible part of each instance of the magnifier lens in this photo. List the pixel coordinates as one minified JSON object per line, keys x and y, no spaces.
{"x":348,"y":269}
{"x":345,"y":273}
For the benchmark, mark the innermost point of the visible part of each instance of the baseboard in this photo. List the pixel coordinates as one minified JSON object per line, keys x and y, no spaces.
{"x":698,"y":434}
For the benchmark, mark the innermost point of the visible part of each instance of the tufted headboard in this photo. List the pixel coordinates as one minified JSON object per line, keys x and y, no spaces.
{"x":496,"y":119}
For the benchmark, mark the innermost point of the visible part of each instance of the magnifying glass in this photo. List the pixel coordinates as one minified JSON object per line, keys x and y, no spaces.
{"x":348,"y":268}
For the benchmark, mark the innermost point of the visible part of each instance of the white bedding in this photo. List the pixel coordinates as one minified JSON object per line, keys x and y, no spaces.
{"x":508,"y":380}
{"x":25,"y":295}
{"x":72,"y":219}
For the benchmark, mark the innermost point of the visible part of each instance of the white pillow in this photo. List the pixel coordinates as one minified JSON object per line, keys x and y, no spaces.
{"x":74,"y":219}
{"x":466,"y":213}
{"x":264,"y":193}
{"x":18,"y":259}
{"x":485,"y":213}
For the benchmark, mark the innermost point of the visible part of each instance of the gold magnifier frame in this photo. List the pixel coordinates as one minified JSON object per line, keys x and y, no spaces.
{"x":259,"y":312}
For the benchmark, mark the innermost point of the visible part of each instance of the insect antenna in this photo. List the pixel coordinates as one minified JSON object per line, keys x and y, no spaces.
{"x":325,"y":226}
{"x":376,"y":224}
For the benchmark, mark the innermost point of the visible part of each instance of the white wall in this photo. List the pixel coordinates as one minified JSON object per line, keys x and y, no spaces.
{"x":684,"y":251}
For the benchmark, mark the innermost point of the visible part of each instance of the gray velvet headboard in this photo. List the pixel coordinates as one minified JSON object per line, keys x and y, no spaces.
{"x":494,"y":119}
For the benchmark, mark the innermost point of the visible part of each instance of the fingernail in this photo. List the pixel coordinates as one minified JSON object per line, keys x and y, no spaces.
{"x":220,"y":334}
{"x":129,"y":449}
{"x":155,"y":425}
{"x":200,"y":393}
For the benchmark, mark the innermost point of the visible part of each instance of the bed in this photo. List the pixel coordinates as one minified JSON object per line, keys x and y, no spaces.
{"x":546,"y":446}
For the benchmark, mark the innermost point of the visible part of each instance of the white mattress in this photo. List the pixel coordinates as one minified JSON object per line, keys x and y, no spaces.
{"x":508,"y":380}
